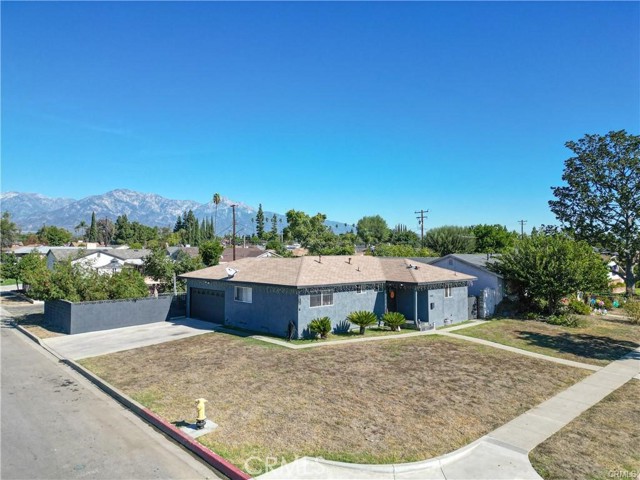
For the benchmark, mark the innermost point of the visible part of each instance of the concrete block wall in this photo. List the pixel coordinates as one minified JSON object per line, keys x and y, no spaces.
{"x":72,"y":318}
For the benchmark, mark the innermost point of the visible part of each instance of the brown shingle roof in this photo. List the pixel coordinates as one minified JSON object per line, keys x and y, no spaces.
{"x":329,"y":270}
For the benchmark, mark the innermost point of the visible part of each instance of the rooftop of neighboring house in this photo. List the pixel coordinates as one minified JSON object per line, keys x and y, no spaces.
{"x":480,"y":260}
{"x":41,"y":249}
{"x":241,"y":252}
{"x":191,"y":251}
{"x":312,"y":271}
{"x":74,"y":253}
{"x":130,"y":253}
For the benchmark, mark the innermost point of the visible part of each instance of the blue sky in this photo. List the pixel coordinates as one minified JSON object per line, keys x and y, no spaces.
{"x":350,"y":109}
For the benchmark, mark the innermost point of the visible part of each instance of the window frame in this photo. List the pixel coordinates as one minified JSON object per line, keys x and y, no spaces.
{"x":448,"y":289}
{"x":241,"y":298}
{"x":321,"y":296}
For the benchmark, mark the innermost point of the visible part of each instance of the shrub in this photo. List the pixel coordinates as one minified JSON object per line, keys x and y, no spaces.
{"x":393,"y":320}
{"x":632,"y":308}
{"x":581,"y":308}
{"x":608,"y":304}
{"x":320,"y":326}
{"x":363,"y":319}
{"x":570,"y":321}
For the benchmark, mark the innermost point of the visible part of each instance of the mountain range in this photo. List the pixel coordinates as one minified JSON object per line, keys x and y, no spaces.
{"x":32,"y":210}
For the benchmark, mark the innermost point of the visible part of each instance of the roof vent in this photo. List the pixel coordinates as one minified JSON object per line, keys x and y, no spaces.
{"x":230,"y":271}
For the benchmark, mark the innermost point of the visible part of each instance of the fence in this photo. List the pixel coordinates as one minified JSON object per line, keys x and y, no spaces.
{"x":85,"y":317}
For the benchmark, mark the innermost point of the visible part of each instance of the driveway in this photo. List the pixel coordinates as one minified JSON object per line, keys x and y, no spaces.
{"x":93,"y":344}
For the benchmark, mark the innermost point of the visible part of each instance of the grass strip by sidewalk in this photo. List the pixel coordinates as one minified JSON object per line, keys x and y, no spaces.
{"x":602,"y":443}
{"x":598,"y":342}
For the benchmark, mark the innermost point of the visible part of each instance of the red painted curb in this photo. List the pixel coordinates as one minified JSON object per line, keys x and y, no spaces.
{"x":216,"y":461}
{"x":221,"y":464}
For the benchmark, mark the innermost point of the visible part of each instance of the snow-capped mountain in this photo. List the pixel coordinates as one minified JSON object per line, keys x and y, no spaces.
{"x":24,"y":204}
{"x":30,"y":211}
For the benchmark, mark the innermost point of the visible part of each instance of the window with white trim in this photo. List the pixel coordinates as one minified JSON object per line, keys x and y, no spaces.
{"x":323,"y":298}
{"x":242,"y":294}
{"x":359,"y":289}
{"x":447,"y":292}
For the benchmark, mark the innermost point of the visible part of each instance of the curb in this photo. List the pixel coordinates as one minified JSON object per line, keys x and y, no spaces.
{"x":216,"y":461}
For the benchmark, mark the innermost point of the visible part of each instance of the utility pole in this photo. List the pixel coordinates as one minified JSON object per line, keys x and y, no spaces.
{"x":421,"y":220}
{"x":233,"y":235}
{"x":522,"y":222}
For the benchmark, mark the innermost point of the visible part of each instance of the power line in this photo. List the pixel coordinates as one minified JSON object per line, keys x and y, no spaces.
{"x":421,"y":220}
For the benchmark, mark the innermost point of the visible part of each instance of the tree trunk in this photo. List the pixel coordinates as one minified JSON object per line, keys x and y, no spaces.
{"x":362,"y":330}
{"x":629,"y":278}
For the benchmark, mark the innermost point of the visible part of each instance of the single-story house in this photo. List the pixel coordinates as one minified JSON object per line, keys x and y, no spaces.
{"x":270,"y":294}
{"x":103,"y":260}
{"x":489,"y":286}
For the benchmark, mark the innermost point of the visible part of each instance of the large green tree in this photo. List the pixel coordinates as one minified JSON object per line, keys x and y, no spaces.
{"x":260,"y":223}
{"x":210,"y":252}
{"x":35,"y":275}
{"x":600,"y":202}
{"x":373,"y":230}
{"x":93,"y":229}
{"x":9,"y":231}
{"x":450,"y":239}
{"x":493,"y":238}
{"x":542,"y":269}
{"x":10,"y":267}
{"x":53,"y":236}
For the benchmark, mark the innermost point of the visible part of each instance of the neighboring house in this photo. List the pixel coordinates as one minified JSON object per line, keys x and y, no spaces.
{"x":103,"y":260}
{"x":489,"y":286}
{"x":246,"y":252}
{"x":41,"y":249}
{"x":267,"y":294}
{"x":173,"y":252}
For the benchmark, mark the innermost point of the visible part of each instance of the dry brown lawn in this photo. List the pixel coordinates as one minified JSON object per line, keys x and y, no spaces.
{"x":375,"y":402}
{"x":600,"y":341}
{"x":28,"y":315}
{"x":602,"y":443}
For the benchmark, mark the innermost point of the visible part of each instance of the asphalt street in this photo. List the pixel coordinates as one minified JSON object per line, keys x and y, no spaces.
{"x":57,"y":425}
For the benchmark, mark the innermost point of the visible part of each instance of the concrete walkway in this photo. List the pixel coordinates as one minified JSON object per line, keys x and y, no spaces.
{"x":501,"y":454}
{"x":92,"y":344}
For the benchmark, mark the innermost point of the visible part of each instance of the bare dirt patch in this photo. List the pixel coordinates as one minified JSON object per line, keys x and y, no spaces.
{"x":600,"y":341}
{"x":376,"y":402}
{"x":602,"y":443}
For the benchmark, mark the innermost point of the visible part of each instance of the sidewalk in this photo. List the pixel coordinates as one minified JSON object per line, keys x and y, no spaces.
{"x":501,"y":454}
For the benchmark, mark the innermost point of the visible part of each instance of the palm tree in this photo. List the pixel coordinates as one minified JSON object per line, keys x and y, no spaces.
{"x":81,"y":226}
{"x":216,"y":201}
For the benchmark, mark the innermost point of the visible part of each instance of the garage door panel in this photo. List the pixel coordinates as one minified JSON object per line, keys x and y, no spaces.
{"x":207,"y":305}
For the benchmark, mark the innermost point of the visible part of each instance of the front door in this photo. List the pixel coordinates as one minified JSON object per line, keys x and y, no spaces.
{"x":392,"y":300}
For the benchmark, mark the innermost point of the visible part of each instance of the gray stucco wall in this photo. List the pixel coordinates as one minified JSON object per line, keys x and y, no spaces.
{"x":343,"y":304}
{"x":268,"y":312}
{"x":485,"y":279}
{"x":84,"y":317}
{"x":453,"y":309}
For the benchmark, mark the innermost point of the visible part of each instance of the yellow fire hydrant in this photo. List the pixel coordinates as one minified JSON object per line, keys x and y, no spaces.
{"x":201,"y":419}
